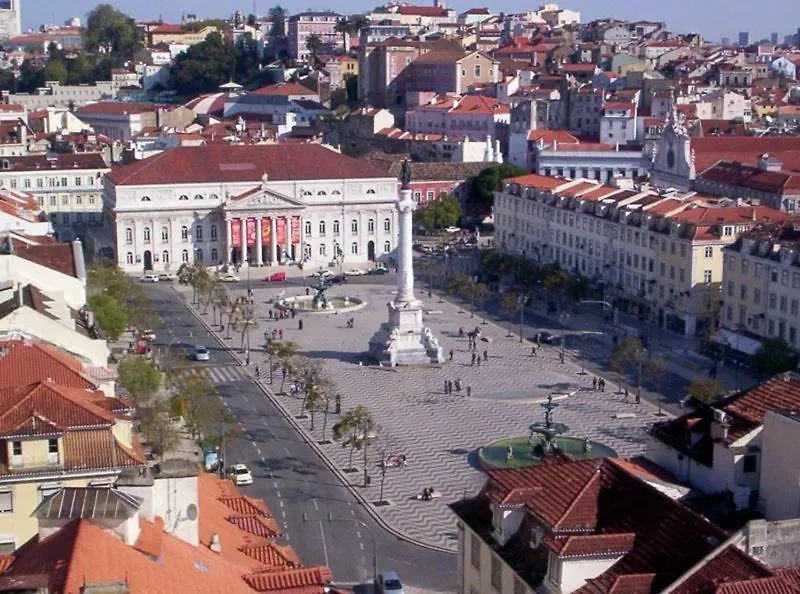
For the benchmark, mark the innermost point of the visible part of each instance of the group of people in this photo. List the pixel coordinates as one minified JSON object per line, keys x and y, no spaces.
{"x":281,"y":313}
{"x":598,"y":383}
{"x":351,"y":322}
{"x":476,"y":358}
{"x":451,"y":386}
{"x":426,"y":495}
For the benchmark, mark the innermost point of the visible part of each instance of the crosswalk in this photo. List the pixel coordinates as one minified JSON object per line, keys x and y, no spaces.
{"x":227,"y":374}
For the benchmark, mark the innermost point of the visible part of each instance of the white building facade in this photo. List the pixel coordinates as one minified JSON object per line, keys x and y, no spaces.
{"x":264,"y":205}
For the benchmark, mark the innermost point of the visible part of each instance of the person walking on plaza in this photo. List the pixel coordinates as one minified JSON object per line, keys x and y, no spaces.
{"x":461,"y":332}
{"x":473,"y":358}
{"x":533,"y":350}
{"x":458,"y":385}
{"x":626,"y":396}
{"x":445,"y":386}
{"x":280,"y":333}
{"x":485,"y":356}
{"x":451,"y":354}
{"x":594,"y":383}
{"x":602,"y":384}
{"x":638,"y":399}
{"x":469,"y":390}
{"x":479,"y":361}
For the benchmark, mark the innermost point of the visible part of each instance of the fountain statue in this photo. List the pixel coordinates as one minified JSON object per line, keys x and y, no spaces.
{"x":543,"y":436}
{"x":320,"y":300}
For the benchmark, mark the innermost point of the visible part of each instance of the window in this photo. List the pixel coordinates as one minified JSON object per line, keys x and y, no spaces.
{"x":16,"y":448}
{"x":78,"y":200}
{"x":213,"y":197}
{"x":709,"y":252}
{"x":129,"y":258}
{"x":322,"y":228}
{"x":773,"y":300}
{"x":214,"y":255}
{"x":147,"y":234}
{"x":184,"y":233}
{"x":91,"y":199}
{"x":519,"y":586}
{"x":743,"y":292}
{"x":128,"y":235}
{"x":183,"y":197}
{"x":783,"y":303}
{"x":794,"y":307}
{"x":307,"y":227}
{"x":730,"y":288}
{"x":198,"y":197}
{"x":322,"y":193}
{"x":145,"y":198}
{"x":750,"y":463}
{"x":213,"y":232}
{"x":65,"y":200}
{"x":757,"y":296}
{"x":354,"y":248}
{"x":354,"y":226}
{"x":185,"y":256}
{"x":198,"y":255}
{"x":198,"y":233}
{"x":26,"y":183}
{"x":553,"y":569}
{"x":370,"y":191}
{"x":706,"y":276}
{"x":52,"y":446}
{"x":164,"y":234}
{"x":475,"y":552}
{"x":387,"y":247}
{"x":322,"y":249}
{"x":53,"y":201}
{"x":91,"y":217}
{"x":387,"y":225}
{"x":336,"y":227}
{"x":336,"y":193}
{"x":477,"y":69}
{"x":6,"y":504}
{"x":371,"y":226}
{"x":165,"y":257}
{"x":497,"y":574}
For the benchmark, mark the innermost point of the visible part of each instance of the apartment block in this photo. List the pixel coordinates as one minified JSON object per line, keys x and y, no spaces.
{"x":322,"y":24}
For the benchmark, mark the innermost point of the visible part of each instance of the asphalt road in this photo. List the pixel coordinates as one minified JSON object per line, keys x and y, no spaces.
{"x":293,"y":480}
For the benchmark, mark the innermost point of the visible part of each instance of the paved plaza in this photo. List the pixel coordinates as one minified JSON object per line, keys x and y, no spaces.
{"x":438,"y":433}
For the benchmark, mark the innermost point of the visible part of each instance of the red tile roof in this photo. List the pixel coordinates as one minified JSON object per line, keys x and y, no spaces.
{"x":58,"y":257}
{"x":550,"y":136}
{"x":294,"y":580}
{"x":60,"y":161}
{"x":24,"y":362}
{"x":167,"y":29}
{"x":730,"y":565}
{"x":424,"y":11}
{"x":781,"y":392}
{"x":224,"y":163}
{"x":284,"y":90}
{"x":752,"y":177}
{"x":118,"y":108}
{"x":746,"y":149}
{"x":592,"y":545}
{"x":540,"y":182}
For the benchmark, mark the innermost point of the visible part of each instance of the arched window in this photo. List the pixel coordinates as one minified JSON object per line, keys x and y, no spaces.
{"x":214,"y":255}
{"x":198,"y":255}
{"x":183,"y":197}
{"x":164,"y":234}
{"x":305,"y":193}
{"x":147,"y":234}
{"x":387,"y":247}
{"x":322,"y":228}
{"x":336,"y":227}
{"x":387,"y":225}
{"x":322,"y":193}
{"x":184,"y":233}
{"x":128,"y":235}
{"x":354,"y":226}
{"x":198,"y":233}
{"x":129,"y":258}
{"x":165,"y":257}
{"x":371,"y":226}
{"x":354,"y":248}
{"x":370,"y":191}
{"x":336,"y":193}
{"x":185,"y":256}
{"x":198,"y":196}
{"x":322,"y":249}
{"x":145,"y":198}
{"x":213,"y":232}
{"x":307,"y":227}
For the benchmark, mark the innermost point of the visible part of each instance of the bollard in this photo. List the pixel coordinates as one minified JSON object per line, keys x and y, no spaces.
{"x":300,"y":324}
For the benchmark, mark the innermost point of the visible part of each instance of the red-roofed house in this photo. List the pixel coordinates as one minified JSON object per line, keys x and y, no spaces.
{"x":474,"y":116}
{"x":286,"y":104}
{"x":443,"y":71}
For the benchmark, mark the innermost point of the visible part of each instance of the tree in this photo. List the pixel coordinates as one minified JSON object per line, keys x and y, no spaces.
{"x":314,"y":44}
{"x":194,"y":397}
{"x":159,"y":431}
{"x":140,"y":378}
{"x":481,"y":294}
{"x":351,"y":88}
{"x":204,"y":66}
{"x":277,"y":14}
{"x":342,"y":26}
{"x":705,"y":390}
{"x":325,"y":400}
{"x":109,"y":316}
{"x":354,"y":430}
{"x":8,"y":80}
{"x":774,"y":356}
{"x":630,"y":357}
{"x":252,"y":20}
{"x":109,"y":31}
{"x":511,"y":304}
{"x":280,"y":352}
{"x":439,"y":214}
{"x":489,"y":181}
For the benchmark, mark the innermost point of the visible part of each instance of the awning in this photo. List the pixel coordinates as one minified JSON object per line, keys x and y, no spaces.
{"x":736,"y":341}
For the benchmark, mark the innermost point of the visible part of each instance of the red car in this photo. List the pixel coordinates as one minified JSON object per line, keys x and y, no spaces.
{"x":276,"y":276}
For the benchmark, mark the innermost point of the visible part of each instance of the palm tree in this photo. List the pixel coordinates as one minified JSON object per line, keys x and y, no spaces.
{"x":314,"y":44}
{"x":343,"y":26}
{"x":356,"y":430}
{"x":356,"y":23}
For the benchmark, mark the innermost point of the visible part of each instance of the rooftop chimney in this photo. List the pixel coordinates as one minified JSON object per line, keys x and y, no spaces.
{"x":769,"y":163}
{"x":215,"y":545}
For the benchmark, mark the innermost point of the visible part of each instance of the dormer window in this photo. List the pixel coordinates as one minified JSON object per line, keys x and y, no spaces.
{"x":336,"y":193}
{"x":305,"y":193}
{"x":198,"y":197}
{"x":145,"y":198}
{"x":183,"y":197}
{"x":322,"y":193}
{"x":370,"y":191}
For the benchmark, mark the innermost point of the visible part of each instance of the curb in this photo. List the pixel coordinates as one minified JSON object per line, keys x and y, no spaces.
{"x":317,"y":450}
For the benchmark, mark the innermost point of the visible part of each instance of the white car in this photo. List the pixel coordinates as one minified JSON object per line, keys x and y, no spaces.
{"x":241,"y":475}
{"x":453,"y":229}
{"x":325,"y":274}
{"x":200,"y":353}
{"x":229,"y":277}
{"x":355,"y":272}
{"x":166,"y":276}
{"x":149,"y":278}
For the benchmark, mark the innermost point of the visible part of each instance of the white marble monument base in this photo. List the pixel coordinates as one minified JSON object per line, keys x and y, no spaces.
{"x":404,"y":340}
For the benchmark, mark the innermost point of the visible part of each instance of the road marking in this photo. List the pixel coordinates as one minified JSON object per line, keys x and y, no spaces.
{"x":245,"y":398}
{"x":281,"y":502}
{"x":283,"y":514}
{"x":259,"y":452}
{"x":316,"y":507}
{"x":358,"y":532}
{"x":278,"y":493}
{"x":287,"y":451}
{"x":352,"y":511}
{"x":253,"y":406}
{"x":324,"y":546}
{"x":361,"y":545}
{"x":275,"y":483}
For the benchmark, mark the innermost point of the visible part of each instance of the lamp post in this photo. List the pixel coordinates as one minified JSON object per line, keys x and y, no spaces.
{"x":331,"y":518}
{"x":563,"y":317}
{"x":521,"y":301}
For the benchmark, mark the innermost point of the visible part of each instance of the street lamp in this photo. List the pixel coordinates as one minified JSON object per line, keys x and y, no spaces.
{"x":521,"y":299}
{"x":331,"y":518}
{"x":563,"y":317}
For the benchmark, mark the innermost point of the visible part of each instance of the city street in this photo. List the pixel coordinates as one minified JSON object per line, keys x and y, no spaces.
{"x":292,"y":479}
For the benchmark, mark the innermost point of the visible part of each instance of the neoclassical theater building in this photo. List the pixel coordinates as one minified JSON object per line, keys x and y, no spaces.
{"x":262,"y":204}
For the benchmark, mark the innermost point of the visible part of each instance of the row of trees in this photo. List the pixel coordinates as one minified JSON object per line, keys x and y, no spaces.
{"x":497,"y":265}
{"x":439,"y":214}
{"x":117,"y":301}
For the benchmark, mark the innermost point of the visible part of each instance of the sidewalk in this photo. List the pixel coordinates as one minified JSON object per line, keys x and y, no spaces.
{"x":439,"y":433}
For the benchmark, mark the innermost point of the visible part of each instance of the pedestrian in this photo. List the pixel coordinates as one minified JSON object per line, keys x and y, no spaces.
{"x":283,"y":373}
{"x":479,"y":361}
{"x":638,"y":397}
{"x":602,"y":385}
{"x":594,"y":383}
{"x":294,"y":313}
{"x":533,"y":350}
{"x":473,"y":358}
{"x":271,"y":315}
{"x":469,"y":390}
{"x":485,"y":355}
{"x":280,"y":333}
{"x":445,"y":386}
{"x":258,"y":372}
{"x":308,"y":291}
{"x":451,"y":354}
{"x":458,"y":385}
{"x":626,"y":396}
{"x":461,"y":332}
{"x":430,"y":295}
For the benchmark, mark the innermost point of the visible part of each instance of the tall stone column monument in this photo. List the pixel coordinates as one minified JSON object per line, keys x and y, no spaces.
{"x":403,"y":340}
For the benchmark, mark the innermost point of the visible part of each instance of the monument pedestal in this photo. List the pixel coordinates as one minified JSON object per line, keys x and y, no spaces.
{"x":404,"y":340}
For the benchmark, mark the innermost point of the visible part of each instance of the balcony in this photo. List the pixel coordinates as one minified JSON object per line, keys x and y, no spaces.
{"x":31,"y":463}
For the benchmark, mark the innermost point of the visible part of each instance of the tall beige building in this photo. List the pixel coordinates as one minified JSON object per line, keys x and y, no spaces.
{"x":10,"y":18}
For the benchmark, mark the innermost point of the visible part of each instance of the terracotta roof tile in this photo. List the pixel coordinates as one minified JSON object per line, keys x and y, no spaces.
{"x":781,"y":392}
{"x":256,"y":525}
{"x":58,"y":257}
{"x":96,"y":449}
{"x":24,"y":362}
{"x":284,"y":90}
{"x":272,"y":555}
{"x":225,"y":163}
{"x":534,"y":180}
{"x":243,"y":506}
{"x":151,"y":537}
{"x":746,"y":149}
{"x":291,"y":581}
{"x":730,"y":565}
{"x":593,"y":544}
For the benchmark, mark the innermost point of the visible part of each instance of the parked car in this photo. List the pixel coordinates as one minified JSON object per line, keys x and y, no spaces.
{"x":379,"y":270}
{"x":229,"y":277}
{"x":338,"y":279}
{"x":276,"y":276}
{"x":149,"y":278}
{"x":148,"y":335}
{"x":241,"y":475}
{"x":355,"y":272}
{"x":200,"y":353}
{"x":325,"y":274}
{"x":389,"y":583}
{"x":166,"y":276}
{"x":545,"y":337}
{"x":453,"y":230}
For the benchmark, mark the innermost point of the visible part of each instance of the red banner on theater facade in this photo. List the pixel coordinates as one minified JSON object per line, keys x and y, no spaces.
{"x":280,"y":230}
{"x":251,"y":231}
{"x":266,"y":231}
{"x":236,"y":232}
{"x":295,"y":229}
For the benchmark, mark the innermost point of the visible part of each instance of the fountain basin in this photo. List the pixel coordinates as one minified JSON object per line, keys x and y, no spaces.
{"x":305,"y":304}
{"x":494,"y":454}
